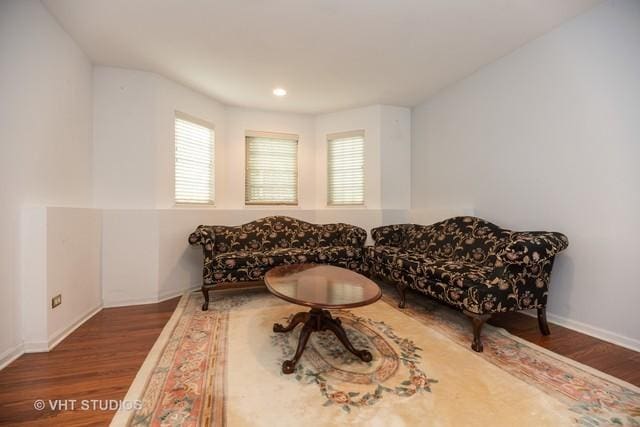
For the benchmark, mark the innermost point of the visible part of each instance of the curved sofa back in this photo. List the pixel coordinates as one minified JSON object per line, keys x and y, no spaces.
{"x":472,"y":239}
{"x":276,"y":232}
{"x":460,"y":238}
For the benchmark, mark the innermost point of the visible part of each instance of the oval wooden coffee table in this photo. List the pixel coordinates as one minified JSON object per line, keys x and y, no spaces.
{"x":321,"y":287}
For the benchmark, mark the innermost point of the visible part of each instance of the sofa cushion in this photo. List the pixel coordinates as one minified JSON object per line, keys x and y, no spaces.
{"x":494,"y":292}
{"x":332,"y":254}
{"x":243,"y":274}
{"x":454,"y":272}
{"x":457,"y":273}
{"x":400,"y":259}
{"x":241,"y":266}
{"x":274,"y":257}
{"x":243,"y":259}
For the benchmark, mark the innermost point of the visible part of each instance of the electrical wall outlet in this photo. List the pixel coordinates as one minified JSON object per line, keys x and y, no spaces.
{"x":56,"y":301}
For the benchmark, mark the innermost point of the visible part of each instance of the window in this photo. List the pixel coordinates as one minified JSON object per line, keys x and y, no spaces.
{"x":272,"y":169}
{"x":194,"y":160}
{"x":345,"y":161}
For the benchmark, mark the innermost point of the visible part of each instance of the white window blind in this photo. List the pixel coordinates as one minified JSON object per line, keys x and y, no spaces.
{"x":345,"y":158}
{"x":271,"y":169}
{"x":194,"y":161}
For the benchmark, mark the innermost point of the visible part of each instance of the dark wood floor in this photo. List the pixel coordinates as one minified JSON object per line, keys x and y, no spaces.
{"x":100,"y":359}
{"x":602,"y":355}
{"x":97,"y":361}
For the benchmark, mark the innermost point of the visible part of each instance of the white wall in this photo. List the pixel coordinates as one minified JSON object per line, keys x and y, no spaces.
{"x":129,"y":256}
{"x":34,"y":308}
{"x":145,"y":252}
{"x":133,"y":136}
{"x":547,"y":138}
{"x":62,"y":257}
{"x":123,"y":138}
{"x":134,"y":144}
{"x":73,"y":267}
{"x":45,"y":131}
{"x":134,"y":141}
{"x":395,"y":157}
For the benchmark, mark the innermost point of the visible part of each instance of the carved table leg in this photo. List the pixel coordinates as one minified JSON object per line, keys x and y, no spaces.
{"x":295,"y":321}
{"x":334,"y":325}
{"x":288,"y":366}
{"x":314,"y":321}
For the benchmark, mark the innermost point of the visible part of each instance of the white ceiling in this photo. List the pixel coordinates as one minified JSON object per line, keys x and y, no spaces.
{"x":328,"y":54}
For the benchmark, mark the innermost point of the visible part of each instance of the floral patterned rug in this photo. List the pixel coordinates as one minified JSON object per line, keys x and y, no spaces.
{"x":222,"y":367}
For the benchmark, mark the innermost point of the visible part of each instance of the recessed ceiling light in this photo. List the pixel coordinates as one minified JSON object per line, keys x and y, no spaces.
{"x":279,"y":91}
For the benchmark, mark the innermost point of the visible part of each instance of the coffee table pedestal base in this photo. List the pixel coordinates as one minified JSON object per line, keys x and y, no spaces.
{"x":314,"y":321}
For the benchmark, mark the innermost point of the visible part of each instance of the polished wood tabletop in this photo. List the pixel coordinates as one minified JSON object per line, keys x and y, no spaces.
{"x":321,"y":286}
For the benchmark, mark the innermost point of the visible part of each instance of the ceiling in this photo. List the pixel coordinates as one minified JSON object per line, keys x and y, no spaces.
{"x":328,"y":54}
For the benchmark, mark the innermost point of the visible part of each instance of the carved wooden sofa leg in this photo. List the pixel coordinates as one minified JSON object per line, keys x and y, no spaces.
{"x":205,"y":292}
{"x":477,"y":320}
{"x":402,"y":290}
{"x":542,"y":321}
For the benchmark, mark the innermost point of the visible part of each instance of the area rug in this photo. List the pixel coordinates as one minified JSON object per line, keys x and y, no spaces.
{"x":222,"y":368}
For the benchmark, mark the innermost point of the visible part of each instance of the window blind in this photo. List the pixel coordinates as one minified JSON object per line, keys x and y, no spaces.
{"x":271,"y":169}
{"x":194,"y":161}
{"x":345,"y":161}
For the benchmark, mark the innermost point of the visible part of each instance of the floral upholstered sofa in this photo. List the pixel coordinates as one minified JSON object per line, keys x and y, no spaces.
{"x":470,"y":264}
{"x":246,"y":252}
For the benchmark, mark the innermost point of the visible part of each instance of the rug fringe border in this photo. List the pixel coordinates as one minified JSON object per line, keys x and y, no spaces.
{"x":588,"y":369}
{"x":139,"y":383}
{"x":593,"y":371}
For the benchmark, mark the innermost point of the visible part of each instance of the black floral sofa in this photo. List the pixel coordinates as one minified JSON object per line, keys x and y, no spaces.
{"x":244,"y":253}
{"x":470,"y":264}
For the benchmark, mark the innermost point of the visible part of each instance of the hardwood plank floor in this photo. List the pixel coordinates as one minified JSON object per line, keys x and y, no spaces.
{"x":601,"y":355}
{"x":100,"y":359}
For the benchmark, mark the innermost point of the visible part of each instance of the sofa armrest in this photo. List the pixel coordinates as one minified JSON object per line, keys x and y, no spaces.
{"x":389,"y":235}
{"x":204,"y":236}
{"x":530,"y":247}
{"x":354,"y":236}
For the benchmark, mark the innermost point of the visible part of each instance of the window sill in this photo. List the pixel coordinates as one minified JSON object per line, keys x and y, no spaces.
{"x":346,"y":207}
{"x":194,"y":205}
{"x":270,"y":206}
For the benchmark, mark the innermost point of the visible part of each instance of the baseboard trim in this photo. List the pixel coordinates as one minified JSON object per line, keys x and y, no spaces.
{"x":56,"y":338}
{"x":174,"y":294}
{"x":152,"y":300}
{"x":36,"y":346}
{"x":65,"y":332}
{"x":10,"y":355}
{"x":592,"y":331}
